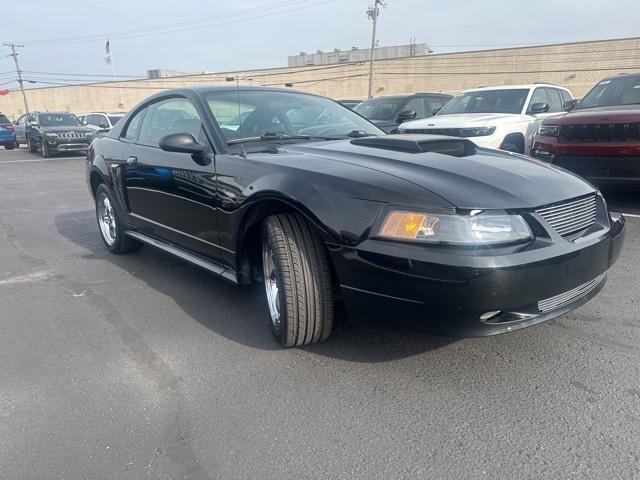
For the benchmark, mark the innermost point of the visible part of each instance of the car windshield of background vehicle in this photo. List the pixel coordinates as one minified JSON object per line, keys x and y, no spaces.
{"x":4,"y":119}
{"x":115,"y":119}
{"x":380,"y":108}
{"x":264,"y":113}
{"x":487,"y":101}
{"x":616,"y":91}
{"x":58,"y":119}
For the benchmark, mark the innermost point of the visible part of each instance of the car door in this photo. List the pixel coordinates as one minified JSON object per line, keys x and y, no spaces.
{"x":21,"y":129}
{"x":171,"y":196}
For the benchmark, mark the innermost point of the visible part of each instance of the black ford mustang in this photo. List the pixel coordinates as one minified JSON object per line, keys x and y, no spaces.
{"x":298,"y":192}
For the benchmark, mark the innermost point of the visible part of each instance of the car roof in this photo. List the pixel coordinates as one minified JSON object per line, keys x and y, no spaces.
{"x":514,"y":87}
{"x":621,"y":75}
{"x":105,"y":113}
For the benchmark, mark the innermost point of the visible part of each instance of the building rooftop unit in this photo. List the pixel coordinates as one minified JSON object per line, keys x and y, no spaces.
{"x":355,"y":54}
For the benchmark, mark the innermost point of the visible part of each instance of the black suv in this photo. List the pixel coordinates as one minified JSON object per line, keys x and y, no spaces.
{"x":53,"y":132}
{"x":389,"y":112}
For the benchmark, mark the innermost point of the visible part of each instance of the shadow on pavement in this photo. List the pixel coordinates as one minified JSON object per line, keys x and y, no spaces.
{"x":240,"y":313}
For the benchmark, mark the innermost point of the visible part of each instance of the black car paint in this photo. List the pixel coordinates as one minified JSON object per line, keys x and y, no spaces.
{"x":211,"y":208}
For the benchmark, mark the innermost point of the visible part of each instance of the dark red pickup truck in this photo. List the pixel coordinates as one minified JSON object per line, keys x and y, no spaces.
{"x":599,"y":138}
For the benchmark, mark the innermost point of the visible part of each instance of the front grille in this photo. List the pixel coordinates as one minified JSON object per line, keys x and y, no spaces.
{"x":71,"y":135}
{"x":604,"y":132}
{"x":600,"y":167}
{"x":452,"y":132}
{"x":570,"y":217}
{"x":566,"y":298}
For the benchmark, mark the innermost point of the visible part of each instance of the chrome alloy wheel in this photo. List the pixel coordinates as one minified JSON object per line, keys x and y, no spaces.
{"x":106,"y":219}
{"x":271,"y":283}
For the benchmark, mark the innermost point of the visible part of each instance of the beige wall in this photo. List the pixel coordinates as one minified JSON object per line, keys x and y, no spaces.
{"x":576,"y":66}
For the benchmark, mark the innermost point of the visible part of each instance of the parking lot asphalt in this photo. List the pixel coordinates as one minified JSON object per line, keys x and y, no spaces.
{"x":141,"y":366}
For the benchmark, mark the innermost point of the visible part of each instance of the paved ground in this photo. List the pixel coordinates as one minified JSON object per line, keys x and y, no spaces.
{"x":143,"y":367}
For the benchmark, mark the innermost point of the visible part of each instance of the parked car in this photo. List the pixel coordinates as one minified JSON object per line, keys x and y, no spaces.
{"x":599,"y":138}
{"x":81,"y":119}
{"x":467,"y":240}
{"x":389,"y":112}
{"x":102,"y":121}
{"x":504,"y":118}
{"x":350,"y":103}
{"x":53,"y":132}
{"x":21,"y":128}
{"x":7,"y":133}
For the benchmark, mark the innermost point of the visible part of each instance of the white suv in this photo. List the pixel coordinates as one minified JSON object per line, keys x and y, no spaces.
{"x":102,"y":121}
{"x":504,"y":117}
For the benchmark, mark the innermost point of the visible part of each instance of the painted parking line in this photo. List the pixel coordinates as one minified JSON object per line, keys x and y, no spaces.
{"x":37,"y":160}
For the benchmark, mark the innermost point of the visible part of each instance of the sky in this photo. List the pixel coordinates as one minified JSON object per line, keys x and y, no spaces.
{"x":280,"y":28}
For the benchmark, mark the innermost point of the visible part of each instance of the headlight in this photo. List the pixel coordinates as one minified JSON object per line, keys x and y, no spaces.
{"x":480,"y":228}
{"x":50,"y":134}
{"x":478,"y":132}
{"x":549,"y":130}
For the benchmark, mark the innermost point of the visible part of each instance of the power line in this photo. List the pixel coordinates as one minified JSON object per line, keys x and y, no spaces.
{"x":242,"y":15}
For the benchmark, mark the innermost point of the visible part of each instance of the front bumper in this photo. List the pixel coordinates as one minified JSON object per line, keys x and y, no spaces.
{"x":448,"y":291}
{"x":602,"y":162}
{"x":61,"y":146}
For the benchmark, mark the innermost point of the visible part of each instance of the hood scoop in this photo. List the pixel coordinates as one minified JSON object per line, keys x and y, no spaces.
{"x":455,"y":147}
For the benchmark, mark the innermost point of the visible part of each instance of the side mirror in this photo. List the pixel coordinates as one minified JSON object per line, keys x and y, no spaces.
{"x":15,"y":122}
{"x":33,"y":123}
{"x":182,"y":143}
{"x":569,"y":105}
{"x":538,"y":108}
{"x":436,"y":110}
{"x":406,"y":115}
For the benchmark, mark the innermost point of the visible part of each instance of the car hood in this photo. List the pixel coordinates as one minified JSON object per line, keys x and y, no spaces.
{"x":490,"y":179}
{"x":66,"y":128}
{"x":461,"y":120}
{"x":611,"y":114}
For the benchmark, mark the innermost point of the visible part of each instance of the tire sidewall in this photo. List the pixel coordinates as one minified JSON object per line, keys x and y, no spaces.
{"x":101,"y":191}
{"x":279,"y":332}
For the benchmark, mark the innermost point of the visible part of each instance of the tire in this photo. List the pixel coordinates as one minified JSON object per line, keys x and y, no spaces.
{"x":32,"y":147}
{"x":295,"y":261}
{"x":513,"y":143}
{"x":44,"y":150}
{"x":9,"y":146}
{"x":110,"y":223}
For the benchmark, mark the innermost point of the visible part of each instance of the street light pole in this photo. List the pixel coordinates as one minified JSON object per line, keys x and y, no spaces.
{"x":372,"y":14}
{"x":14,"y":54}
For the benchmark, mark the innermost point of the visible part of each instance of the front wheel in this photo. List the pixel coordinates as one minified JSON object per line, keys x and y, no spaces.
{"x":110,"y":223}
{"x":32,"y":147}
{"x":46,"y":153}
{"x":297,"y":281}
{"x":9,"y":146}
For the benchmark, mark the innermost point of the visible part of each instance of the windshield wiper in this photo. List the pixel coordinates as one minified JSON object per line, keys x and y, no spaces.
{"x":269,"y":136}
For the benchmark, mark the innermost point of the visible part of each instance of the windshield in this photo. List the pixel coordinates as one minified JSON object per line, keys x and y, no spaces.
{"x":487,"y":101}
{"x":4,"y":119}
{"x":115,"y":119}
{"x":262,"y":113}
{"x":615,"y":91}
{"x":383,"y":108}
{"x":58,"y":119}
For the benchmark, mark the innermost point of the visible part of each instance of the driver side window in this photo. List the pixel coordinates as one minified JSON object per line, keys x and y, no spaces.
{"x":175,"y":115}
{"x":417,"y":105}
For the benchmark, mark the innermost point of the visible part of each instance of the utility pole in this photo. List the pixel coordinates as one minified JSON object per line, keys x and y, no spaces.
{"x":372,"y":14}
{"x":14,"y":54}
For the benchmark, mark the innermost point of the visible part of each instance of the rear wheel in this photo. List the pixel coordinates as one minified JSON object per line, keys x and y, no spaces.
{"x":110,"y":223}
{"x":297,"y":281}
{"x":10,"y":146}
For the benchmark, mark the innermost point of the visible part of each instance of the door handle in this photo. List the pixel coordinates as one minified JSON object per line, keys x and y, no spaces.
{"x":132,"y":160}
